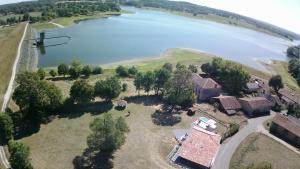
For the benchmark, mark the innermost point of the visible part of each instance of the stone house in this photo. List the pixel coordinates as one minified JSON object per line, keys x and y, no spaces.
{"x":205,"y":88}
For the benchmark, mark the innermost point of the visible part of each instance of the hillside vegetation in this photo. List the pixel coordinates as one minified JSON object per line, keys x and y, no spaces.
{"x":214,"y":14}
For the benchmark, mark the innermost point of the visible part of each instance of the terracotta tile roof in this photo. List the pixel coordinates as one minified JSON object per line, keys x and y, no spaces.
{"x":200,"y":147}
{"x":205,"y":83}
{"x":229,"y":102}
{"x":289,"y":123}
{"x":257,"y":102}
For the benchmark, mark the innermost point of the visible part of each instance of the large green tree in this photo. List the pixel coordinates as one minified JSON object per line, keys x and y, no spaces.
{"x":138,"y":82}
{"x":86,"y":71}
{"x":82,"y":92}
{"x":63,"y":69}
{"x":6,"y":128}
{"x":19,"y":156}
{"x":75,"y":69}
{"x":179,"y":90}
{"x":107,"y":134}
{"x":276,"y":83}
{"x":36,"y":98}
{"x":108,"y":89}
{"x":148,"y":81}
{"x":161,"y":76}
{"x":230,"y":75}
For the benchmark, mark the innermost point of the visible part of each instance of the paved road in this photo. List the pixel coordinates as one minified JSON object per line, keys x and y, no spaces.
{"x":56,"y":24}
{"x":226,"y":151}
{"x":9,"y":90}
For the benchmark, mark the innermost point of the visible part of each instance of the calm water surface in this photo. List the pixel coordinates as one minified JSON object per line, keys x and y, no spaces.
{"x":147,"y":34}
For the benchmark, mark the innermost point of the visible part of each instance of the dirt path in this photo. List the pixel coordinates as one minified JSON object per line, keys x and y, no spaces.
{"x":9,"y":91}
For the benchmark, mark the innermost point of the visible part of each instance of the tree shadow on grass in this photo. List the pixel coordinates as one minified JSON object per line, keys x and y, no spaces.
{"x":146,"y":100}
{"x":89,"y":160}
{"x":166,"y":118}
{"x":70,"y":110}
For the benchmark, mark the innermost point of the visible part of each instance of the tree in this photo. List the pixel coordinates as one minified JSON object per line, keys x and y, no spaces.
{"x":42,"y":74}
{"x":63,"y":69}
{"x":179,"y":90}
{"x":294,"y":110}
{"x":108,"y":89}
{"x":82,"y":92}
{"x":53,"y":73}
{"x":168,"y":66}
{"x":86,"y":71}
{"x":19,"y":156}
{"x":97,"y":70}
{"x":6,"y":128}
{"x":26,"y":17}
{"x":107,"y":135}
{"x":148,"y":81}
{"x":36,"y":98}
{"x":122,"y":71}
{"x":124,"y":87}
{"x":276,"y":83}
{"x":162,"y":76}
{"x":193,"y":68}
{"x":230,"y":75}
{"x":132,"y":71}
{"x":75,"y":69}
{"x":138,"y":82}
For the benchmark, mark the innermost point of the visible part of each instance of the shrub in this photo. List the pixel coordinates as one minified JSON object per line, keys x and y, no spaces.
{"x":97,"y":70}
{"x":19,"y":156}
{"x":233,"y":128}
{"x":86,"y":71}
{"x":42,"y":74}
{"x":63,"y":69}
{"x":122,"y":71}
{"x":53,"y":73}
{"x":124,"y":87}
{"x":6,"y":128}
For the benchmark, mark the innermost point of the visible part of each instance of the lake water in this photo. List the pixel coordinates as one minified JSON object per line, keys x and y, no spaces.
{"x":147,"y":34}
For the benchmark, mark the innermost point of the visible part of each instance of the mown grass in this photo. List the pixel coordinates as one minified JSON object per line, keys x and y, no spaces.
{"x":281,"y":68}
{"x":43,"y":26}
{"x":257,"y":148}
{"x":9,"y":41}
{"x":68,"y":21}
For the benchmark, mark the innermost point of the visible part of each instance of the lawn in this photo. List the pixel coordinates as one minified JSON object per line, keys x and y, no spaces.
{"x":147,"y":145}
{"x":43,"y":26}
{"x":258,"y":148}
{"x":68,"y":21}
{"x":281,"y":68}
{"x":9,"y":41}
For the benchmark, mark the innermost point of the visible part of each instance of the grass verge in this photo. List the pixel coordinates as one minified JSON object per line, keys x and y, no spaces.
{"x":9,"y":41}
{"x":43,"y":26}
{"x":257,"y":148}
{"x":68,"y":21}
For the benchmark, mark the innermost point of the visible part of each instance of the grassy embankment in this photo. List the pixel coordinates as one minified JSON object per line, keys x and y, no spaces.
{"x":220,"y":19}
{"x":258,"y":148}
{"x":69,"y":21}
{"x":281,"y":68}
{"x":9,"y":41}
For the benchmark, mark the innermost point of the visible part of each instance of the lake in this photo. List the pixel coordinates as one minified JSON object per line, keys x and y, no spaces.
{"x":147,"y":34}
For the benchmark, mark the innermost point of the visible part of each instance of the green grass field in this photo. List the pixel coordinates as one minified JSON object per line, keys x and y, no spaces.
{"x":281,"y":68}
{"x":68,"y":21}
{"x":9,"y":41}
{"x":43,"y":26}
{"x":258,"y":148}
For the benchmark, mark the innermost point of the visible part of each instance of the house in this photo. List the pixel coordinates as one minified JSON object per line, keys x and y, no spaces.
{"x":255,"y":106}
{"x":199,"y":149}
{"x":205,"y":88}
{"x":289,"y":97}
{"x":228,"y":104}
{"x":286,"y":127}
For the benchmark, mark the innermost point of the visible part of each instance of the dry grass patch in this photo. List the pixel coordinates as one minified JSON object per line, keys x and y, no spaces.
{"x":258,"y":148}
{"x":9,"y":41}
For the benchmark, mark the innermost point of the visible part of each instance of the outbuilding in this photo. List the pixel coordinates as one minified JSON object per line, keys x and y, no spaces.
{"x":255,"y":106}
